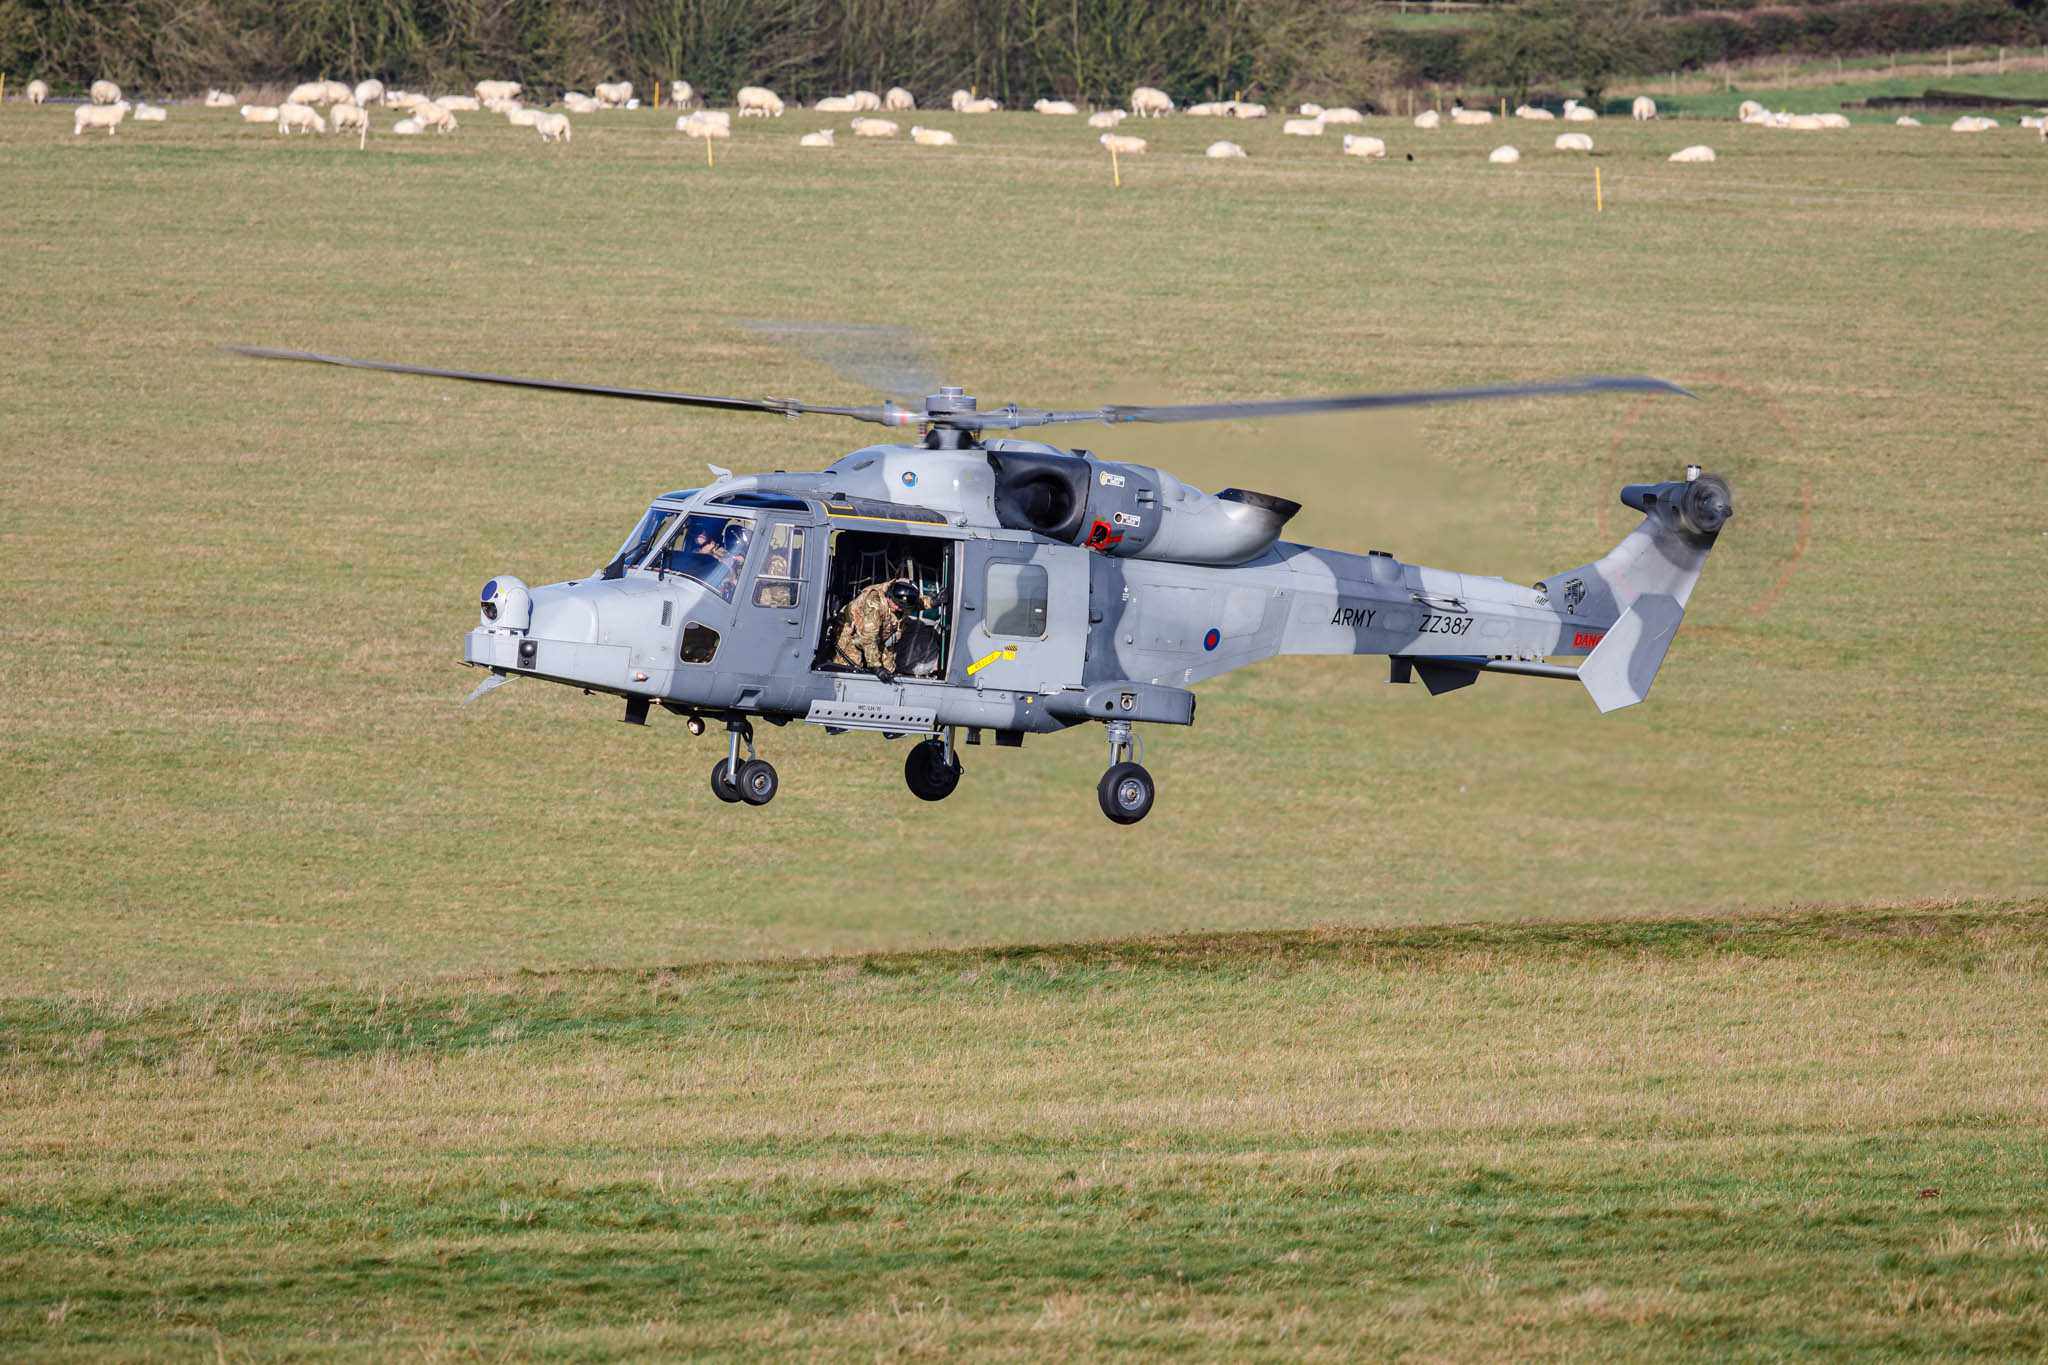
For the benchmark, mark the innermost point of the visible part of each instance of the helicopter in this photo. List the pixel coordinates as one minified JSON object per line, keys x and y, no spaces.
{"x":1039,"y":588}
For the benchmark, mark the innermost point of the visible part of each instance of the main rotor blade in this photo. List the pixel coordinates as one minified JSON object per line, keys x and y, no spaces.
{"x":1113,"y":413}
{"x":893,"y":361}
{"x":884,"y":414}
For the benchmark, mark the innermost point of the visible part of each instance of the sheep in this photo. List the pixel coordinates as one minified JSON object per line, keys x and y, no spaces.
{"x":1147,"y":102}
{"x":1359,"y":145}
{"x":821,"y":138}
{"x":408,"y":127}
{"x":259,"y":113}
{"x":38,"y":91}
{"x":307,"y":92}
{"x":931,"y":137}
{"x":1470,"y":118}
{"x":2029,"y":122}
{"x":680,"y":94}
{"x":334,"y":92}
{"x":460,"y":104}
{"x":1310,"y":111}
{"x":613,"y":94}
{"x":522,"y":117}
{"x":107,"y":116}
{"x":1531,"y":112}
{"x":498,"y":90}
{"x":1302,"y":127}
{"x":1970,"y":123}
{"x":836,"y":104}
{"x":1748,"y":111}
{"x":435,"y":116}
{"x":1804,"y":123}
{"x":1123,"y":145}
{"x":867,"y":101}
{"x":1428,"y":119}
{"x":576,"y":102}
{"x":300,"y":118}
{"x":1699,"y":153}
{"x":501,"y":106}
{"x":350,"y":118}
{"x":1343,"y":114}
{"x":403,"y":99}
{"x":553,"y":127}
{"x":874,"y":127}
{"x":899,"y":100}
{"x":1642,"y":109}
{"x":699,"y":126}
{"x":1055,"y":106}
{"x":1574,"y":142}
{"x":1504,"y":156}
{"x":105,"y":92}
{"x":1218,"y":151}
{"x":1908,"y":121}
{"x":984,"y":105}
{"x":1833,"y":120}
{"x":959,"y":99}
{"x":1209,"y":109}
{"x":759,"y":101}
{"x":1106,"y":118}
{"x":367,"y":92}
{"x":1574,"y":112}
{"x":1240,"y":109}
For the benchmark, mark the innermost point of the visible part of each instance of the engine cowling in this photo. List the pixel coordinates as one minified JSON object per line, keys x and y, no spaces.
{"x":1133,"y":511}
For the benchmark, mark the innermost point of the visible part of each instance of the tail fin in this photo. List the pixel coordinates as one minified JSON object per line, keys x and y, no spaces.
{"x":1643,"y":584}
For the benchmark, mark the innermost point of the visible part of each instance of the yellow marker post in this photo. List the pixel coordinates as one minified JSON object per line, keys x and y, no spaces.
{"x":1503,"y":108}
{"x":657,"y":94}
{"x":1115,"y":175}
{"x":708,"y":140}
{"x":1599,"y":204}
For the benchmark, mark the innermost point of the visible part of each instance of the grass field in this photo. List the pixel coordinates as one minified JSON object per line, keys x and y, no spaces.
{"x":342,"y":1022}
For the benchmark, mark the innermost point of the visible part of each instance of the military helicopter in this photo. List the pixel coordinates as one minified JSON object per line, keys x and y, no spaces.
{"x":1047,"y":588}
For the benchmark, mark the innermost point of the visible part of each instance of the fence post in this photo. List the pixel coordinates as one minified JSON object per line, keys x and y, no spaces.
{"x":1599,"y":203}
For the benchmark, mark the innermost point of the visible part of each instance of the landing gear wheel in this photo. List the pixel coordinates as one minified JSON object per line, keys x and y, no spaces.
{"x":1125,"y":792}
{"x":720,"y":788}
{"x":927,"y":773}
{"x":757,"y":782}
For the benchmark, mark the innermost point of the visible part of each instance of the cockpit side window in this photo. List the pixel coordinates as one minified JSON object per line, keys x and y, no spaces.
{"x":780,"y":582}
{"x":651,"y":528}
{"x":708,"y":548}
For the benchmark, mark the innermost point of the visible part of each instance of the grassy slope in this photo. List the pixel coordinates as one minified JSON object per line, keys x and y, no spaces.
{"x":231,"y":752}
{"x":1806,"y":1135}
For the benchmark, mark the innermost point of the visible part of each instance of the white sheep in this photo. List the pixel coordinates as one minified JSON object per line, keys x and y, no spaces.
{"x":699,"y":126}
{"x":460,"y":104}
{"x":1056,"y":106}
{"x":1428,"y":118}
{"x":1749,"y":111}
{"x":1122,"y":144}
{"x":553,"y":128}
{"x":522,"y":117}
{"x":1343,"y":114}
{"x":498,"y":90}
{"x":39,"y":90}
{"x":576,"y":102}
{"x":1209,"y":109}
{"x":613,"y":94}
{"x":1574,"y":142}
{"x":681,"y":94}
{"x":866,"y":101}
{"x":835,"y":104}
{"x":1220,"y":150}
{"x":1358,"y":145}
{"x":874,"y":127}
{"x":367,"y":92}
{"x":1698,"y":153}
{"x":2027,"y":121}
{"x":1803,"y":123}
{"x":408,"y":127}
{"x":1908,"y":121}
{"x":1302,"y":127}
{"x":336,"y":93}
{"x":959,"y":100}
{"x":404,"y":99}
{"x":1531,"y":112}
{"x":899,"y":100}
{"x":436,"y":116}
{"x":821,"y":138}
{"x":1971,"y":123}
{"x":984,"y":105}
{"x":502,"y":106}
{"x":1504,"y":156}
{"x":308,"y":93}
{"x":1106,"y":118}
{"x":1642,"y":109}
{"x":1574,"y":112}
{"x":933,"y":137}
{"x":107,"y":116}
{"x":350,"y":118}
{"x":1833,"y":120}
{"x":1470,"y":118}
{"x":302,"y":118}
{"x":759,"y":101}
{"x":105,"y":92}
{"x":1147,"y":102}
{"x":1242,"y":109}
{"x":259,"y":113}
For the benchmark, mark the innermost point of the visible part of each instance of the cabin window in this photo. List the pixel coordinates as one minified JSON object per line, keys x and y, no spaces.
{"x":699,"y":644}
{"x":710,"y":549}
{"x":780,"y":583}
{"x":1014,"y":598}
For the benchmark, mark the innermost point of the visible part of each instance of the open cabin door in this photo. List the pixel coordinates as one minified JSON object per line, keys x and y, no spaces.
{"x":1023,"y":622}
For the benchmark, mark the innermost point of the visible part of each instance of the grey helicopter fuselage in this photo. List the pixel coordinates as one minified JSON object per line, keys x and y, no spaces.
{"x":1067,"y":589}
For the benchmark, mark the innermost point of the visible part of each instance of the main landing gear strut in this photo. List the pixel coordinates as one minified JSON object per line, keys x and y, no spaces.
{"x":734,"y":780}
{"x":1126,"y":790}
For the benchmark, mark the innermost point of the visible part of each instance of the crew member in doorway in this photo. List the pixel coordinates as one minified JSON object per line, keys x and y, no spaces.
{"x":872,"y":624}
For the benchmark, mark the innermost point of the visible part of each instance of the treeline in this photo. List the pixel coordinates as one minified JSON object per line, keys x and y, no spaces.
{"x":1014,"y":49}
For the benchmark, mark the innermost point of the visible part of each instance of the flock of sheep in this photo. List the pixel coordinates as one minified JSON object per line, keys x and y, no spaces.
{"x":348,"y":110}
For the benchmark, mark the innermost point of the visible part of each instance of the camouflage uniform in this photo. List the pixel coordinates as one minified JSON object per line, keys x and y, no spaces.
{"x":870,"y":627}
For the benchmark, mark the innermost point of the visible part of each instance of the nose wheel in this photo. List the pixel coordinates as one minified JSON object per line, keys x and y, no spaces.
{"x":1126,"y":790}
{"x":733,"y":779}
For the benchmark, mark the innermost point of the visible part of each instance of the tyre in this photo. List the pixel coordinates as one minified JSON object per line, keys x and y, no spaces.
{"x":720,"y":788}
{"x":1125,"y":793}
{"x":757,"y":782}
{"x":927,"y":774}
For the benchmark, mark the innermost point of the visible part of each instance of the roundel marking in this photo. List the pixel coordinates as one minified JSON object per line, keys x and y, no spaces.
{"x":1209,"y":641}
{"x":490,"y":590}
{"x":910,"y":478}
